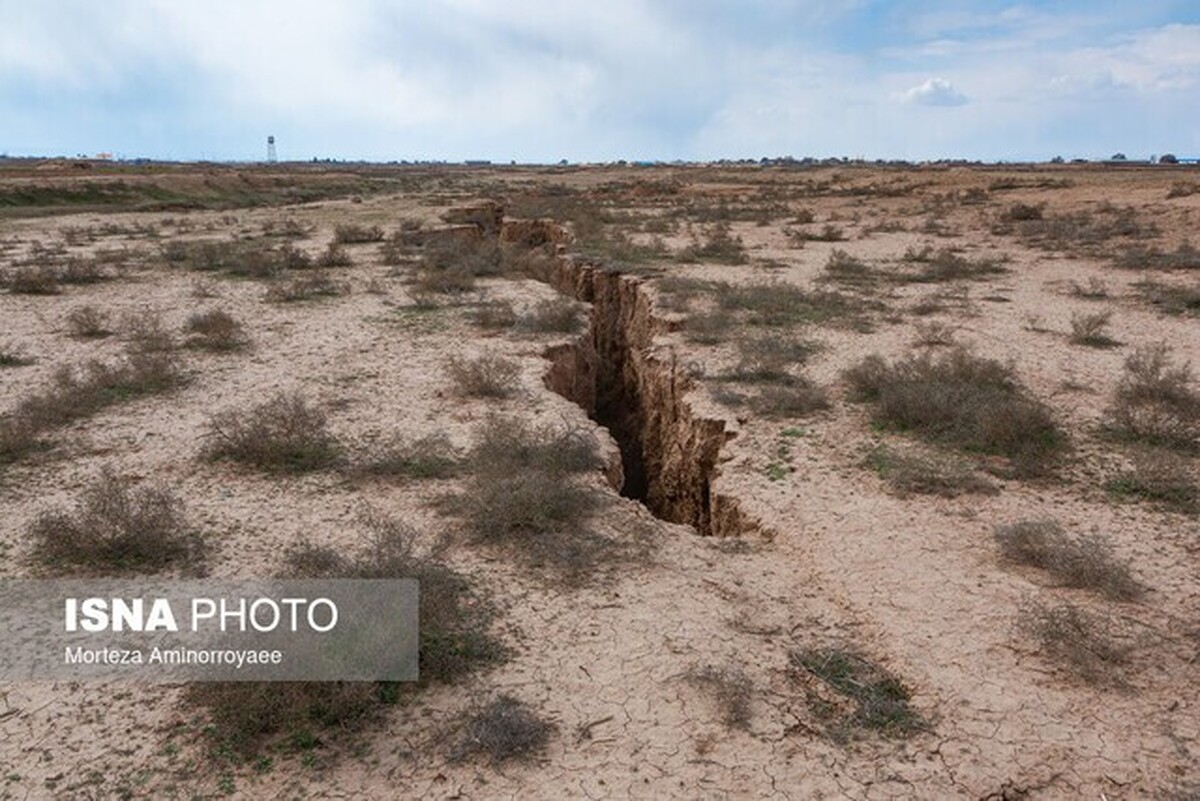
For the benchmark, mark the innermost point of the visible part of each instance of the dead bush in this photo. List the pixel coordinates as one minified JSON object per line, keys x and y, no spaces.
{"x":917,"y":473}
{"x":503,"y":731}
{"x":215,"y":330}
{"x":878,"y":701}
{"x":1154,"y":400}
{"x":947,"y":265}
{"x":554,"y":315}
{"x":1159,"y":478}
{"x":933,"y":334}
{"x":116,"y":527}
{"x":451,"y":266}
{"x":1184,"y":257}
{"x":1090,"y":330}
{"x":1086,"y":643}
{"x":88,"y":322}
{"x":486,"y":376}
{"x":847,"y":269}
{"x":352,"y":234}
{"x":283,"y":434}
{"x":1020,"y":212}
{"x":1086,"y":562}
{"x":431,"y":456}
{"x":730,"y":689}
{"x":719,"y":245}
{"x":773,"y":303}
{"x":1094,"y":289}
{"x":964,"y":400}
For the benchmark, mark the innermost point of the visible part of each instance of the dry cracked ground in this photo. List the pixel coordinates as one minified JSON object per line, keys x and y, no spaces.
{"x":845,"y":481}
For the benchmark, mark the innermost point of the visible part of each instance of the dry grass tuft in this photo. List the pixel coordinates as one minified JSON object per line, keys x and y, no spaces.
{"x":88,"y":322}
{"x":1090,"y":330}
{"x":1162,"y":479}
{"x":878,"y":701}
{"x":215,"y":330}
{"x":730,"y":688}
{"x":431,"y":456}
{"x":1086,"y":562}
{"x":1086,"y":643}
{"x":915,"y":473}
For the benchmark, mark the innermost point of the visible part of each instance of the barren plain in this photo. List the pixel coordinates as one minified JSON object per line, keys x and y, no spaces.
{"x":849,"y":480}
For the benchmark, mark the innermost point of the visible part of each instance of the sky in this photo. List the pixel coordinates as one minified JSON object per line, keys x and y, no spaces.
{"x":600,"y":80}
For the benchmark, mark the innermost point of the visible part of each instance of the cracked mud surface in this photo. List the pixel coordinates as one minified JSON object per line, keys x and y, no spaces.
{"x":822,"y":554}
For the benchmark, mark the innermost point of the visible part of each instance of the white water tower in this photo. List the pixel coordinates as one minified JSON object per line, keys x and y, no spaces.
{"x":271,"y":149}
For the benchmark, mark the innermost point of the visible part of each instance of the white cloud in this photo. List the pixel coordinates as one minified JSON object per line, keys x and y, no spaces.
{"x":935,"y":92}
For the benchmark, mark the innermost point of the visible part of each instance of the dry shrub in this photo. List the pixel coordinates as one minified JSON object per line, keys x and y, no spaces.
{"x":933,"y":334}
{"x":730,"y":688}
{"x":88,"y":322}
{"x":283,"y":434}
{"x":553,"y":315}
{"x":526,"y":494}
{"x":352,"y":234}
{"x":1154,"y":401}
{"x":117,"y":527}
{"x":719,"y":245}
{"x":1160,"y":478}
{"x":1171,"y":298}
{"x":1089,"y":329}
{"x":215,"y":330}
{"x":146,"y":332}
{"x":947,"y":265}
{"x":1088,"y":644}
{"x":335,"y":256}
{"x":709,"y":329}
{"x":503,"y":731}
{"x":1094,"y":289}
{"x":799,"y":397}
{"x":81,"y":392}
{"x":494,"y":315}
{"x":1086,"y":562}
{"x":878,"y":701}
{"x":963,"y":400}
{"x":1184,"y":257}
{"x":33,"y":281}
{"x":843,"y":267}
{"x":916,"y":473}
{"x":305,"y":287}
{"x":775,"y":303}
{"x":454,"y":622}
{"x":486,"y":376}
{"x":451,"y":266}
{"x":769,"y":358}
{"x":431,"y":456}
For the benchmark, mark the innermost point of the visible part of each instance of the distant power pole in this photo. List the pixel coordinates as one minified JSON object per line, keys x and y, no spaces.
{"x":270,"y":149}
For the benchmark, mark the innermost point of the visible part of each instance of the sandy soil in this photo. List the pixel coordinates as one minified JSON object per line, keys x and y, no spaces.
{"x":914,"y":582}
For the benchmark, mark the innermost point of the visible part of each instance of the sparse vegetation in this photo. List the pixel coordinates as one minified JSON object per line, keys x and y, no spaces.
{"x":353,"y":234}
{"x":215,"y":330}
{"x":454,"y":622}
{"x":1155,"y":402}
{"x":1091,"y":330}
{"x":88,"y":322}
{"x":925,"y":473}
{"x":430,"y":456}
{"x":284,"y":434}
{"x":503,"y":731}
{"x":799,"y":397}
{"x":1086,"y":643}
{"x":305,"y":287}
{"x":1086,"y":562}
{"x":878,"y":701}
{"x":554,"y":315}
{"x":117,"y":527}
{"x":730,"y":689}
{"x":494,"y":315}
{"x":14,"y":357}
{"x":961,"y":399}
{"x":486,"y":376}
{"x":33,"y":281}
{"x":1160,"y":478}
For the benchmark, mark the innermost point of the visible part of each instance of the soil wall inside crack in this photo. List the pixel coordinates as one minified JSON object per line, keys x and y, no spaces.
{"x":670,"y":454}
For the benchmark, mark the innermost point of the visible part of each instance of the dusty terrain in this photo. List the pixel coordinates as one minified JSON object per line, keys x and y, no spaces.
{"x":761,"y":533}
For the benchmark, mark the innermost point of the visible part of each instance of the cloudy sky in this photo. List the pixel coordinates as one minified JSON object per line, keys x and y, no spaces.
{"x":590,"y":80}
